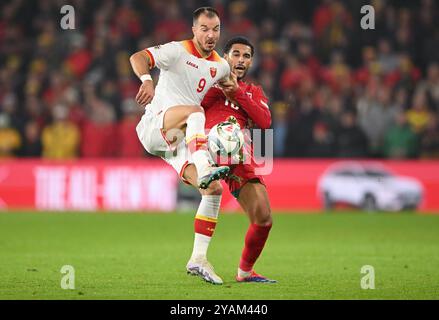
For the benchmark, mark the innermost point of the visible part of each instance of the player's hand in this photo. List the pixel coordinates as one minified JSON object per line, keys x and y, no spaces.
{"x":229,"y":86}
{"x":146,"y":93}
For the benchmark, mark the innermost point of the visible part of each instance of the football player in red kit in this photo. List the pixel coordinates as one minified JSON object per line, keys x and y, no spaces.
{"x":247,"y":103}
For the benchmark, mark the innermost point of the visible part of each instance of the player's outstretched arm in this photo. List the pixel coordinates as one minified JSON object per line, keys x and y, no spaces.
{"x":255,"y":106}
{"x":141,"y":65}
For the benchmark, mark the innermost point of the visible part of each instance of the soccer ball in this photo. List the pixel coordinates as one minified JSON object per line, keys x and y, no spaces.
{"x":225,"y":140}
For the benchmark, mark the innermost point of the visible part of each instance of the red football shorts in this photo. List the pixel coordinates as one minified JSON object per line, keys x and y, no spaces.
{"x":239,"y":175}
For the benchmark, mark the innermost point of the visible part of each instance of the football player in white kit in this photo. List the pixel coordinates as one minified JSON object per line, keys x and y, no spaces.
{"x":172,"y":126}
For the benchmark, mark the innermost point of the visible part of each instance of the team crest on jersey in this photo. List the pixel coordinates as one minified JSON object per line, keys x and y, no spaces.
{"x":213,"y":72}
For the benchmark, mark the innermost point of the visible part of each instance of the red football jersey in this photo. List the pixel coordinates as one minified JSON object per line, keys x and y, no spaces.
{"x":249,"y":106}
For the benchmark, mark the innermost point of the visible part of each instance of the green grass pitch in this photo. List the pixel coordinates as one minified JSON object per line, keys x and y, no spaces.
{"x":143,"y":256}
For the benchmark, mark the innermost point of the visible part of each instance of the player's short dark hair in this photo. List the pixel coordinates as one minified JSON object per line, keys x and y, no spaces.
{"x":208,"y":11}
{"x":239,"y":40}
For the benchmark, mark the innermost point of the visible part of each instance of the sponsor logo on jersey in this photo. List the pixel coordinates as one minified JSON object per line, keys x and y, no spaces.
{"x":250,"y":95}
{"x":189,"y":63}
{"x":213,"y":72}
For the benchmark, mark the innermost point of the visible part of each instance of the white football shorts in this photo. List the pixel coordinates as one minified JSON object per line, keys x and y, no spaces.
{"x":151,"y":135}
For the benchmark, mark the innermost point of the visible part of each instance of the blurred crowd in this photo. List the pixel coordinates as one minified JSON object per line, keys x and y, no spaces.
{"x":335,"y":90}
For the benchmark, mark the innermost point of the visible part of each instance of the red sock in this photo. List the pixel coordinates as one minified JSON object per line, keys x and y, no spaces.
{"x":204,"y":226}
{"x":254,"y":243}
{"x":196,"y":143}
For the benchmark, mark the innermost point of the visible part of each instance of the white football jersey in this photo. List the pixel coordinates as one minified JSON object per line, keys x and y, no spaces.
{"x":185,"y":77}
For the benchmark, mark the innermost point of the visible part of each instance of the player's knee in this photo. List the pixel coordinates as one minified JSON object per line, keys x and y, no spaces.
{"x":262,"y":216}
{"x":194,"y":109}
{"x":194,"y":114}
{"x":199,"y":109}
{"x":214,"y":189}
{"x":267,"y":221}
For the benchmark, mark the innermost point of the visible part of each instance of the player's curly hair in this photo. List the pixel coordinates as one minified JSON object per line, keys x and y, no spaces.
{"x":208,"y":11}
{"x":240,"y":40}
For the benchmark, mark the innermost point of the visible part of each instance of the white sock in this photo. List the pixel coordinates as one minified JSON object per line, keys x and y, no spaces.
{"x":195,"y":128}
{"x":207,"y":210}
{"x":201,"y":244}
{"x":243,"y":274}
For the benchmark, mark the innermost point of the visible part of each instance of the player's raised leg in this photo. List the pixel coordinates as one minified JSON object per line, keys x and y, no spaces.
{"x":253,"y":198}
{"x":204,"y":227}
{"x":192,"y":120}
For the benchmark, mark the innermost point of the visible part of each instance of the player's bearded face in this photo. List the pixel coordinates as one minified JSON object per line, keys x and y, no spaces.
{"x":240,"y":59}
{"x":207,"y":32}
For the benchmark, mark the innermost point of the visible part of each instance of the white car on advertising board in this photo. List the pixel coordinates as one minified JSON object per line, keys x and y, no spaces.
{"x":369,"y":186}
